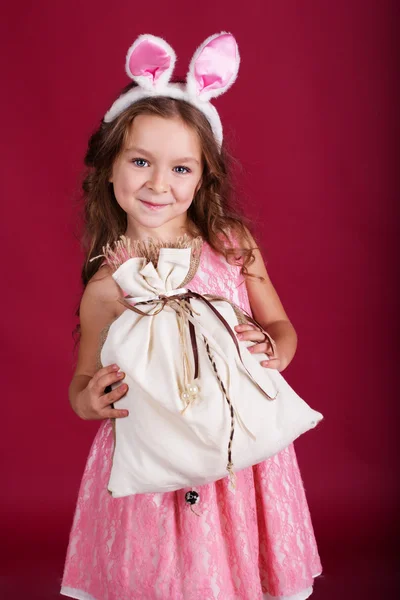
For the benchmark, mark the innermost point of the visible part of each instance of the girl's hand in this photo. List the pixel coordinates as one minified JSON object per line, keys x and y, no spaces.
{"x":93,"y":403}
{"x":261,"y":346}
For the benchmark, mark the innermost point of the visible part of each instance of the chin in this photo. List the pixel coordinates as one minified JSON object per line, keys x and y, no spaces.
{"x":153,"y":222}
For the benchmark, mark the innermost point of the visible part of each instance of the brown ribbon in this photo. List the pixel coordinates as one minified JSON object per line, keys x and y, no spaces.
{"x":164,"y":300}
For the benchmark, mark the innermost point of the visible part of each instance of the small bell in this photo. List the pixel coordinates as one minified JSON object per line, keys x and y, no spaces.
{"x":192,"y":497}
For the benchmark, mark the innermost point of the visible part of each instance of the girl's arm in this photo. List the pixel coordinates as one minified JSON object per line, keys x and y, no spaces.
{"x":268,"y":310}
{"x":98,"y":309}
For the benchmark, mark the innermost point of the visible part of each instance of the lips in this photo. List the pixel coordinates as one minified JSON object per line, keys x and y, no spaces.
{"x":152,"y":205}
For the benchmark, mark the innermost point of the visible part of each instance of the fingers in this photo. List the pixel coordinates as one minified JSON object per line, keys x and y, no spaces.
{"x":249,"y":333}
{"x":105,"y":377}
{"x":272,"y":363}
{"x":108,"y":411}
{"x":102,"y":375}
{"x":263,"y":348}
{"x":109,"y":379}
{"x":104,"y":371}
{"x":115,"y":395}
{"x":114,"y":413}
{"x":244,"y":327}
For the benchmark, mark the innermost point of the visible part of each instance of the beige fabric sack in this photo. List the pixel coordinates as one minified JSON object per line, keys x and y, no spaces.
{"x":182,"y":430}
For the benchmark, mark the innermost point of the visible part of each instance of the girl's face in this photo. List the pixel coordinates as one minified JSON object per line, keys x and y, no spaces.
{"x":157,"y":175}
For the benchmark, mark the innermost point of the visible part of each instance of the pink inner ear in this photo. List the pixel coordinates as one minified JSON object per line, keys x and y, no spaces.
{"x":216,"y":63}
{"x":149,"y":60}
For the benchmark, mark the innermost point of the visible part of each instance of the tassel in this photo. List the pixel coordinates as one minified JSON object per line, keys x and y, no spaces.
{"x":125,"y":248}
{"x":232,"y":474}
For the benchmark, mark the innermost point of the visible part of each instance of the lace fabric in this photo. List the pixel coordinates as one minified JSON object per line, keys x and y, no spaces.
{"x":254,"y":542}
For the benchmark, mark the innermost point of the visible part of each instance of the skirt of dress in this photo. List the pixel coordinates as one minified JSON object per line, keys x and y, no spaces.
{"x":254,"y":542}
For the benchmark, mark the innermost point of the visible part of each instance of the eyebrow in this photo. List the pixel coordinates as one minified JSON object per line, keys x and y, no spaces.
{"x":143,"y":152}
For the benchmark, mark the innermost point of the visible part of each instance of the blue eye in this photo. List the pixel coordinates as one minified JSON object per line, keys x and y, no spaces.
{"x":182,"y":170}
{"x":140,"y":162}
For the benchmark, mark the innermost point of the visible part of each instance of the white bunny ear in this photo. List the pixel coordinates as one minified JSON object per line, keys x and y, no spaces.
{"x":150,"y":62}
{"x":214,"y":67}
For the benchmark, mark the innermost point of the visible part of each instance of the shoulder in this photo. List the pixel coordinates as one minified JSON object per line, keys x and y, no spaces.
{"x":241,"y":236}
{"x":101,"y":293}
{"x":242,"y":239}
{"x":245,"y":240}
{"x":238,"y":236}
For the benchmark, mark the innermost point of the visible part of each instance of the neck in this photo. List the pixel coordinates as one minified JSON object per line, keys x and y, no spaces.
{"x":168,"y":231}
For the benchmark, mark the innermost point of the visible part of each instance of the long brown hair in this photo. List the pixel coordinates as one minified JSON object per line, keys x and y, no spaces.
{"x":212,"y":214}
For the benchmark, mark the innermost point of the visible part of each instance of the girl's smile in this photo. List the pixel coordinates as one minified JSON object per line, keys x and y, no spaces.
{"x":153,"y":205}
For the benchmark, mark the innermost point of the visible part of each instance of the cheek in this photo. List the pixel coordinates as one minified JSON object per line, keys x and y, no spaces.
{"x":127,"y":181}
{"x":185,"y":191}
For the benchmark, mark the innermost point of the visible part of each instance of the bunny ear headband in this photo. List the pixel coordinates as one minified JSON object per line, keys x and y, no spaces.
{"x":150,"y":62}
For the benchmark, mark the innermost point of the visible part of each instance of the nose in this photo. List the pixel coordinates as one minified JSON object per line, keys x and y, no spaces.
{"x":158,"y":181}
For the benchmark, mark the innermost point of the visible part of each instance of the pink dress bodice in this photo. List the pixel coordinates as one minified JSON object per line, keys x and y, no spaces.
{"x":255,"y":542}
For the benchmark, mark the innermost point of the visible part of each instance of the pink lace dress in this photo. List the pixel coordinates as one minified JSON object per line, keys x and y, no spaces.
{"x":254,"y":542}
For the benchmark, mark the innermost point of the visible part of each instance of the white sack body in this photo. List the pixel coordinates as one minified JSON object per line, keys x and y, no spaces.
{"x":159,"y":449}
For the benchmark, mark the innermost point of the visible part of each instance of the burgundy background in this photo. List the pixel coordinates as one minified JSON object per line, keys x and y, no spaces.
{"x":313,"y":122}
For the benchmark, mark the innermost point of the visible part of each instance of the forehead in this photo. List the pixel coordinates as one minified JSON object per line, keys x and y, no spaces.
{"x":163,"y":135}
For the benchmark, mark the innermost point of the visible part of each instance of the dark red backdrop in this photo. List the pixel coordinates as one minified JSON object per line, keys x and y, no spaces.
{"x":312,"y":121}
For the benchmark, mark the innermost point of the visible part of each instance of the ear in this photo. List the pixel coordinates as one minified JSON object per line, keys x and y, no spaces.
{"x":214,"y":67}
{"x":150,"y":62}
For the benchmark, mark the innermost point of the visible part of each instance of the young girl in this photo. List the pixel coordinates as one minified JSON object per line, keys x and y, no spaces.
{"x":157,"y":169}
